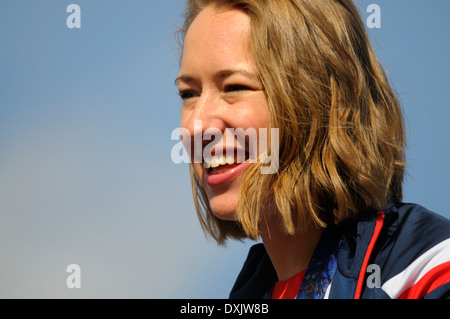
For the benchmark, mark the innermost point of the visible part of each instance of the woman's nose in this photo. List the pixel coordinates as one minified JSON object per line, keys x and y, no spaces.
{"x":205,"y":123}
{"x":207,"y":115}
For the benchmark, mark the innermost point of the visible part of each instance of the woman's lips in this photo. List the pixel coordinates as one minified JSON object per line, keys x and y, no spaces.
{"x":222,"y":178}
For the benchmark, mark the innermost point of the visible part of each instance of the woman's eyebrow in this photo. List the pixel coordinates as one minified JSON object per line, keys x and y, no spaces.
{"x":185,"y":78}
{"x":223,"y":74}
{"x":219,"y":75}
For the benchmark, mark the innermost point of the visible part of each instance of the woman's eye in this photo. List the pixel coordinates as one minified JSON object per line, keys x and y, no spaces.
{"x":185,"y":95}
{"x":236,"y":88}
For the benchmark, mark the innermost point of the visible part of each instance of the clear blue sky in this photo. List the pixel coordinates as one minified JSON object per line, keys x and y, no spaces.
{"x":85,"y":170}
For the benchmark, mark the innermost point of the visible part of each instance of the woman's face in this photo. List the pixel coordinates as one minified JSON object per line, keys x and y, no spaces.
{"x":219,"y":85}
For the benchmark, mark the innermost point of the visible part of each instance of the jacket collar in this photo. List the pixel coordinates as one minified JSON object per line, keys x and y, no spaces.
{"x":357,"y":239}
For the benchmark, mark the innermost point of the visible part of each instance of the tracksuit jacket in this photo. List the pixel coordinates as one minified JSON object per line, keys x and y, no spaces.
{"x":402,"y":252}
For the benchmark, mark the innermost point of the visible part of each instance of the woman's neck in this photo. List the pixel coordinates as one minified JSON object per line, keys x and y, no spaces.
{"x":289,"y":254}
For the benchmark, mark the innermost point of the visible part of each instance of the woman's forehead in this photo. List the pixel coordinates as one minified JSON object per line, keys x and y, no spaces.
{"x":217,"y":39}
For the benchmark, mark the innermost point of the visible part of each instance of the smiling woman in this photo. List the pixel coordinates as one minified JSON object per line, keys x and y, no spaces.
{"x":218,"y":74}
{"x":306,"y":68}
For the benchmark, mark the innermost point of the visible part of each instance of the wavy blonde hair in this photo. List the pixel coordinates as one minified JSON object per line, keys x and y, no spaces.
{"x":341,"y":126}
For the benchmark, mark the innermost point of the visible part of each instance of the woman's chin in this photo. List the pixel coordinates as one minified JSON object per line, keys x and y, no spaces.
{"x":224,"y":209}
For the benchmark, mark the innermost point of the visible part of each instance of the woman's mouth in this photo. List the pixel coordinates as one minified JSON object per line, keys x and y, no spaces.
{"x":223,"y":169}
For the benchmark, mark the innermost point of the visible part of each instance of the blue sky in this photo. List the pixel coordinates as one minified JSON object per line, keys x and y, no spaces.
{"x":85,"y":170}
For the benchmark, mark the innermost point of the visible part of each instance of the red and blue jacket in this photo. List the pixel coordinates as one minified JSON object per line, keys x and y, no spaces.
{"x":402,"y":252}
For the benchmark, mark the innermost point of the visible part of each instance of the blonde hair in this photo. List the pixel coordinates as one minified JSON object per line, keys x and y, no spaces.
{"x":341,"y":126}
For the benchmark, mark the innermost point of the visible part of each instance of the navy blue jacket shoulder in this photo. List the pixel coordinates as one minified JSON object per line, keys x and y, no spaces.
{"x":402,"y":252}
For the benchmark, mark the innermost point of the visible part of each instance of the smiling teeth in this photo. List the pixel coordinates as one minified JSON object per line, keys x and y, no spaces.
{"x":217,"y":161}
